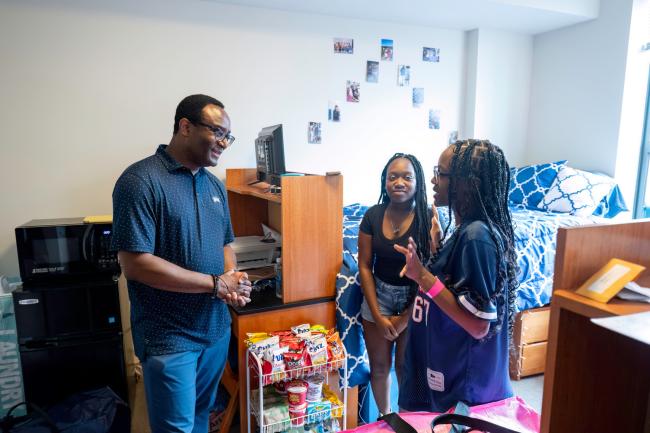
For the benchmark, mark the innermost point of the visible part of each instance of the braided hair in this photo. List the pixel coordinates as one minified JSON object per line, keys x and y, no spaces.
{"x":422,"y":218}
{"x":479,"y":179}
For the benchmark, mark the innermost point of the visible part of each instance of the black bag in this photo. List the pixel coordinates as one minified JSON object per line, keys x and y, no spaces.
{"x":96,"y":411}
{"x":475,"y":424}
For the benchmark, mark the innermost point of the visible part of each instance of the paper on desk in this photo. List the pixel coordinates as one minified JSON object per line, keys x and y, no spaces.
{"x":633,"y":292}
{"x":268,"y":231}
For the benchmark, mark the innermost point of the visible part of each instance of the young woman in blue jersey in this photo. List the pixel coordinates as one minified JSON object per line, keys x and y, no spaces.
{"x":400,"y":214}
{"x":458,"y":337}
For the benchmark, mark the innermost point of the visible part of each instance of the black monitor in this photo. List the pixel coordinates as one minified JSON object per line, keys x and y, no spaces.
{"x":269,"y":155}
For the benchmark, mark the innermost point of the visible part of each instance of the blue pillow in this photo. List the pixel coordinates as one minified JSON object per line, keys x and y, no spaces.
{"x":529,"y":184}
{"x":611,"y":205}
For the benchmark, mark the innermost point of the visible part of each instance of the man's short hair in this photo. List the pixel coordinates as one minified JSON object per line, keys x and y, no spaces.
{"x":192,"y":106}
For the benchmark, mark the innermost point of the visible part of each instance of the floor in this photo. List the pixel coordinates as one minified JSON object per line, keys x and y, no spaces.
{"x":530,"y":389}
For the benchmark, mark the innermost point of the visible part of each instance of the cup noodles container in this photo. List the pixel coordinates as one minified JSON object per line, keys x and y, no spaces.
{"x":281,"y":387}
{"x":297,"y":395}
{"x":297,"y":414}
{"x":315,"y":387}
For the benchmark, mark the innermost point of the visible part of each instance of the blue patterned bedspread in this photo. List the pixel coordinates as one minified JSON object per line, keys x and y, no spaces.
{"x":535,"y":237}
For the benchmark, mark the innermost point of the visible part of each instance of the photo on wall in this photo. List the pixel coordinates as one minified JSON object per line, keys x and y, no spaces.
{"x":344,"y":45}
{"x":334,"y":111}
{"x":431,"y":54}
{"x":387,"y":50}
{"x":403,"y":75}
{"x":352,"y":91}
{"x":372,"y":71}
{"x":418,"y":96}
{"x":313,"y":133}
{"x":434,"y":119}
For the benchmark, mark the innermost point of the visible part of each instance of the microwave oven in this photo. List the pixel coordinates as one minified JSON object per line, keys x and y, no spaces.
{"x":64,"y":249}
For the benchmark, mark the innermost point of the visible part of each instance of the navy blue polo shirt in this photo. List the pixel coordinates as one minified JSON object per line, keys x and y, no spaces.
{"x":444,"y":364}
{"x":160,"y":207}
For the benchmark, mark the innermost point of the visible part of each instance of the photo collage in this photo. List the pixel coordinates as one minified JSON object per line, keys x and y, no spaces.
{"x":353,"y":86}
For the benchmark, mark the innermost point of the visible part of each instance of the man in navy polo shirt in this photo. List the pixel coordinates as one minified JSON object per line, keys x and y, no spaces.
{"x":172,"y":230}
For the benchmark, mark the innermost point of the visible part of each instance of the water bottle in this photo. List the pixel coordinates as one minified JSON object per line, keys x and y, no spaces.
{"x":278,"y":277}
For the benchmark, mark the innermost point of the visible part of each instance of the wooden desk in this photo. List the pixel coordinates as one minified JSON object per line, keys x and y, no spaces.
{"x":320,"y":311}
{"x":596,"y":380}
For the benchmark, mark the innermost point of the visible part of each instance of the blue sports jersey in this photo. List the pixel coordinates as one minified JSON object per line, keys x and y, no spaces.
{"x":444,"y":364}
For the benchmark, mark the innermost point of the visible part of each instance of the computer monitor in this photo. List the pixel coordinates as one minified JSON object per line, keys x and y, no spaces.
{"x":269,"y":155}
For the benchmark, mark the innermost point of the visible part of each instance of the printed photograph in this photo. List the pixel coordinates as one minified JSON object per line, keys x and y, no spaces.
{"x":352,"y":92}
{"x":372,"y":71}
{"x":313,"y":133}
{"x":434,"y":119}
{"x":344,"y":45}
{"x":453,"y":137}
{"x":387,"y":49}
{"x":403,"y":75}
{"x":418,"y":96}
{"x":431,"y":54}
{"x":334,"y":111}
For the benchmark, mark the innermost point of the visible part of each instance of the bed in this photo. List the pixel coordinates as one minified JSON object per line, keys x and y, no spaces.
{"x":535,"y":238}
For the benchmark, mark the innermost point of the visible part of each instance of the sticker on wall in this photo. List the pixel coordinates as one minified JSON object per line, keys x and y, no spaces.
{"x":430,"y":54}
{"x":403,"y":75}
{"x":453,"y":137}
{"x":418,"y":96}
{"x":334,"y":111}
{"x":343,"y":45}
{"x":313,"y":133}
{"x":387,"y":50}
{"x":372,"y":71}
{"x":434,"y":119}
{"x":352,"y":92}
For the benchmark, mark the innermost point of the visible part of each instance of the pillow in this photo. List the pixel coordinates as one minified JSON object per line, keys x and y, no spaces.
{"x":612,"y":204}
{"x":577,"y":192}
{"x":529,"y":184}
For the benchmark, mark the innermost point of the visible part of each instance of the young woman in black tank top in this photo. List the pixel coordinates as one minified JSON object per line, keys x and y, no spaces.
{"x":401,"y":212}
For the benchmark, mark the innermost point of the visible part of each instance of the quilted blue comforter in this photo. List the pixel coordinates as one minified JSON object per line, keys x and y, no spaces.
{"x":535,"y":237}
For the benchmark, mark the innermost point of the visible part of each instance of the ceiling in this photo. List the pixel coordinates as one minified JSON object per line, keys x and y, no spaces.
{"x":523,"y":16}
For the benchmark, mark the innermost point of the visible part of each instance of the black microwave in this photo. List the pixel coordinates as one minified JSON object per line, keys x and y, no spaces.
{"x":62,"y":249}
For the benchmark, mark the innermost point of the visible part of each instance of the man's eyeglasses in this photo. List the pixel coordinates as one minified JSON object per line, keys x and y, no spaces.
{"x":219,"y":133}
{"x":437,"y":174}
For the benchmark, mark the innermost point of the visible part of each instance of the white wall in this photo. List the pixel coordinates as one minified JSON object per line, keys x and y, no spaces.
{"x":502,"y":86}
{"x":588,"y":93}
{"x":88,"y":89}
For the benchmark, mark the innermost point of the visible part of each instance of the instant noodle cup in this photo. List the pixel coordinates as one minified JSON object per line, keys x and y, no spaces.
{"x":297,"y":415}
{"x":297,"y":395}
{"x":315,"y":387}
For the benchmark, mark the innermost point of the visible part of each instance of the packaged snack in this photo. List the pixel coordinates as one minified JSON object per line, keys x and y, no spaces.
{"x":337,"y":404}
{"x":317,"y":350}
{"x":260,"y":346}
{"x":281,"y":387}
{"x":318,"y":329}
{"x":278,"y":415}
{"x":318,"y":411}
{"x":294,"y":361}
{"x":257,"y":336}
{"x":301,"y":330}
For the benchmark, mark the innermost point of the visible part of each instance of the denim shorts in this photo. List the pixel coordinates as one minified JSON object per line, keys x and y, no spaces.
{"x":392,"y":300}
